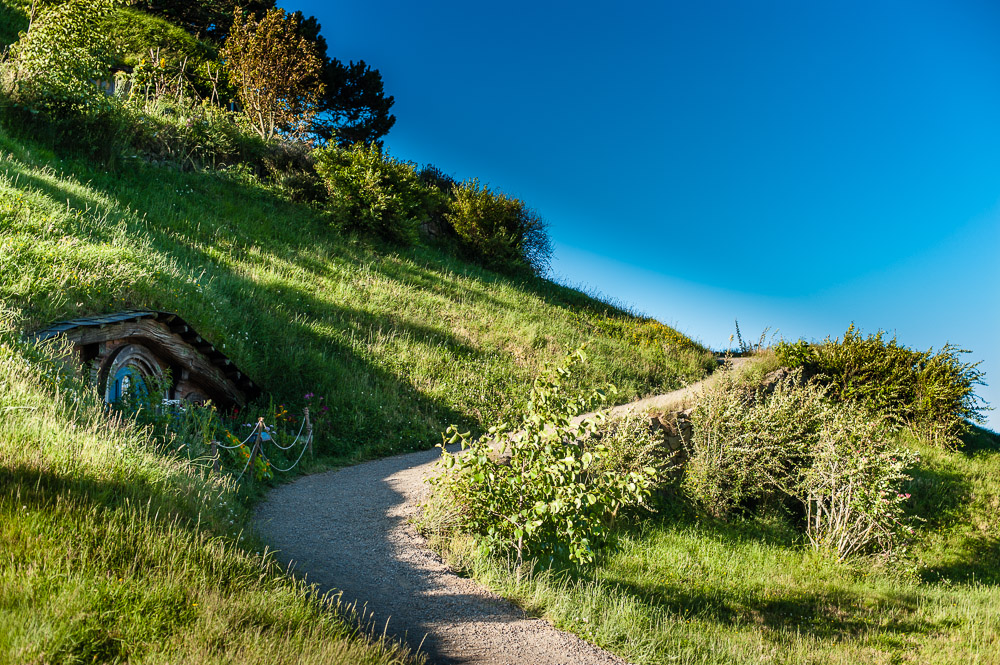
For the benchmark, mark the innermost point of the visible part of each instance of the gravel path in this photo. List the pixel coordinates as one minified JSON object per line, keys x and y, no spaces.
{"x":349,"y":530}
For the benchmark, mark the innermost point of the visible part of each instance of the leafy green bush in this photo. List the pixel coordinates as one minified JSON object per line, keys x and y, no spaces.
{"x":851,"y":489}
{"x":754,"y":449}
{"x":373,"y":193}
{"x":552,"y":493}
{"x":747,"y":446}
{"x":497,"y":230}
{"x":932,"y":392}
{"x":54,"y":65}
{"x":50,"y":80}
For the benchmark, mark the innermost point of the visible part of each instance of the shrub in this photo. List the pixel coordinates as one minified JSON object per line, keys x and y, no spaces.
{"x":51,"y":77}
{"x":137,"y":32}
{"x":372,"y":193}
{"x":552,"y":493}
{"x":752,"y":449}
{"x":929,"y":391}
{"x":851,"y":487}
{"x":186,"y":134}
{"x":55,"y":65}
{"x":499,"y":231}
{"x":747,"y":446}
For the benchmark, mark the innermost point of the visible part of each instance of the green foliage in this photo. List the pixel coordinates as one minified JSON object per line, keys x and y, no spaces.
{"x":192,"y":135}
{"x":499,"y":231}
{"x":13,"y":20}
{"x":211,"y":18}
{"x":137,"y":34}
{"x":275,"y":72}
{"x":554,"y":493}
{"x":372,"y":193}
{"x":55,"y":64}
{"x":747,"y":447}
{"x":639,"y":330}
{"x":752,"y":449}
{"x":852,"y":487}
{"x":401,"y":343}
{"x":931,"y":391}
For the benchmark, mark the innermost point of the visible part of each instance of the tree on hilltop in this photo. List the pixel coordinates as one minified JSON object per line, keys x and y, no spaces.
{"x":275,"y":71}
{"x":354,"y":107}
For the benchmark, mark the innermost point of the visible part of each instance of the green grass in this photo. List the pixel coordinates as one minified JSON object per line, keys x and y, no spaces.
{"x":111,"y":551}
{"x":689,"y":589}
{"x":114,"y":550}
{"x":682,"y":586}
{"x":401,"y":343}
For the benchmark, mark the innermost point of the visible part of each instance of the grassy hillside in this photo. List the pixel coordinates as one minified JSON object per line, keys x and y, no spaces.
{"x":111,"y":551}
{"x":400,"y":344}
{"x":111,"y":548}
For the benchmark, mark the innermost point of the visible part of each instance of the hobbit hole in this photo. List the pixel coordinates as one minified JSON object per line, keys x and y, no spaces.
{"x":141,"y":351}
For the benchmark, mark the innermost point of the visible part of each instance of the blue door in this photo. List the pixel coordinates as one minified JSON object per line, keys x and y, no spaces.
{"x":128,"y":381}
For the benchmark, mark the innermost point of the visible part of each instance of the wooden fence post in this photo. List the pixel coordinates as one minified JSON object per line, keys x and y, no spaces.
{"x":256,"y":448}
{"x":309,"y":433}
{"x":216,"y":466}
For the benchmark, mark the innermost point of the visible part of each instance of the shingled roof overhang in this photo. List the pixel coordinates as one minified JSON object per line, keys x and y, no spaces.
{"x":92,"y":329}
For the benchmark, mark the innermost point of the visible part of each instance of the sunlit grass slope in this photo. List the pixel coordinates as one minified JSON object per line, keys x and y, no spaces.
{"x":400,"y":343}
{"x":111,"y":550}
{"x":114,"y":552}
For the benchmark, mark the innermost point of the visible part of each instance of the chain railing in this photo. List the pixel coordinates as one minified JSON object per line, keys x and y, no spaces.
{"x":261,"y":435}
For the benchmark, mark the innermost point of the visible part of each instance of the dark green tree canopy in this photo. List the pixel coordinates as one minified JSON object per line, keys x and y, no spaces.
{"x":354,"y":108}
{"x":209,"y":18}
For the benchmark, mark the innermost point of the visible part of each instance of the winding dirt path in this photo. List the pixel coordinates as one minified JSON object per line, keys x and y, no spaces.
{"x":349,"y":530}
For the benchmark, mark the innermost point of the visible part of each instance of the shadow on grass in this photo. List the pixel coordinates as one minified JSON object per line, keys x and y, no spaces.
{"x":980,"y":440}
{"x":820,"y":609}
{"x":41,"y":488}
{"x":943,"y":499}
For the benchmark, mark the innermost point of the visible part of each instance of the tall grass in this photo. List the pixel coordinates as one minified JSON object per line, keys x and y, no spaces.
{"x":111,"y":551}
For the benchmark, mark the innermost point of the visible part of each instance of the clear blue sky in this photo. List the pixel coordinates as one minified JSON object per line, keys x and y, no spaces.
{"x":794,"y":165}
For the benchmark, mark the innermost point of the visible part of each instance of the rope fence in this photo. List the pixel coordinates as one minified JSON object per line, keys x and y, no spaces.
{"x":262,"y":434}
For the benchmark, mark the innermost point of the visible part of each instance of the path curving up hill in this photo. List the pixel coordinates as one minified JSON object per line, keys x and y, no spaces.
{"x":349,"y":530}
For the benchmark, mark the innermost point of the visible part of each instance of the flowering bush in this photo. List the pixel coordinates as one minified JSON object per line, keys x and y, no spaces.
{"x":837,"y":460}
{"x":850,"y":489}
{"x":746,"y":447}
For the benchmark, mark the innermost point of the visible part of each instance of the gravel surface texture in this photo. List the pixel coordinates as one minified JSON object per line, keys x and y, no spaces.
{"x":349,"y":531}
